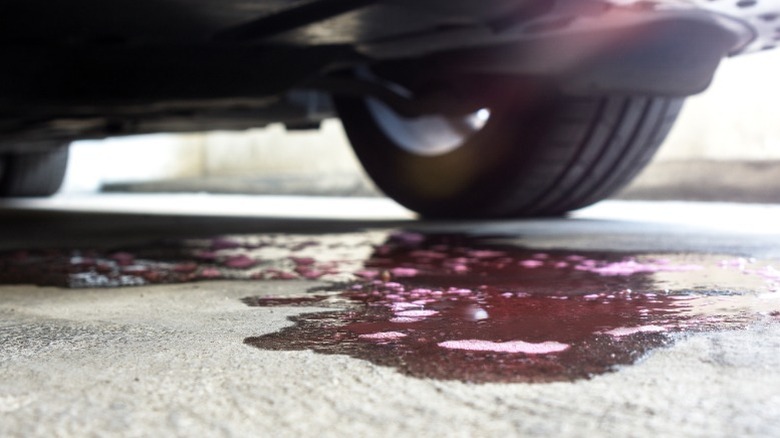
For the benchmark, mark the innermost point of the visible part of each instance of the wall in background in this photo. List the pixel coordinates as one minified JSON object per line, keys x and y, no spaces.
{"x":737,"y":118}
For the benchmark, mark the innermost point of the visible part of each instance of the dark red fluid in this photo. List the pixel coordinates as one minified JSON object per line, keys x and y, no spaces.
{"x":272,"y":257}
{"x":464,"y":310}
{"x":448,"y":306}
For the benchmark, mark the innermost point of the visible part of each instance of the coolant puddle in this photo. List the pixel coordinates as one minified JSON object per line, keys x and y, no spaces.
{"x":245,"y":257}
{"x":448,"y":306}
{"x":455,"y":308}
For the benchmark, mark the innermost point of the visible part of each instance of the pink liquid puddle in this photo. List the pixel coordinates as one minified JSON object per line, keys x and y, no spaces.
{"x":273,"y":257}
{"x":482,"y":313}
{"x":448,"y":306}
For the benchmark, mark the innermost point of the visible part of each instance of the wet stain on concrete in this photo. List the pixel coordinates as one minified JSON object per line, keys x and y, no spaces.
{"x":448,"y":306}
{"x":454,"y":307}
{"x":245,"y":257}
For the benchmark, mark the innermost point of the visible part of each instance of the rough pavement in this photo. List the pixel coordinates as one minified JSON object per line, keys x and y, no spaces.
{"x":172,"y":360}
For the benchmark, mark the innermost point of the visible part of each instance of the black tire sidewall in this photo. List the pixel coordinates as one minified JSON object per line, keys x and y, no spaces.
{"x":34,"y":173}
{"x":466,"y":182}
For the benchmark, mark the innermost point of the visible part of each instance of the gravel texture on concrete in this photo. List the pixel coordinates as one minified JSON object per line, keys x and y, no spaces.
{"x":170,"y":360}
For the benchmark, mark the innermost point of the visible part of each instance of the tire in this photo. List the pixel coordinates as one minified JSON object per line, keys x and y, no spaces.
{"x":531,"y":158}
{"x":33,"y":173}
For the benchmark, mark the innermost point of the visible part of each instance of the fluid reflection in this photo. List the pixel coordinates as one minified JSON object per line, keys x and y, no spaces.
{"x":452,"y":307}
{"x":447,"y":306}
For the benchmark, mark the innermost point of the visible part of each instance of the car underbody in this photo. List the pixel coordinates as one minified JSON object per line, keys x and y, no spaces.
{"x":90,"y":69}
{"x":456,"y":108}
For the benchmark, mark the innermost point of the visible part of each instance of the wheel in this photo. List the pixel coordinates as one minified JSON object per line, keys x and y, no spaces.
{"x":38,"y":173}
{"x":519,"y":156}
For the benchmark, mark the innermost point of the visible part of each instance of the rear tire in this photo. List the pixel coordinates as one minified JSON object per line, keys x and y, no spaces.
{"x":38,"y":173}
{"x":537,"y":158}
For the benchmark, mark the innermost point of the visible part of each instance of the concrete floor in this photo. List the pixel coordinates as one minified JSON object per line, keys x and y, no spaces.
{"x":171,"y":360}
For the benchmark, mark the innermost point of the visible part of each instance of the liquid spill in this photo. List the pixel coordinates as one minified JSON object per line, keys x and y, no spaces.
{"x":262,"y":257}
{"x":450,"y":307}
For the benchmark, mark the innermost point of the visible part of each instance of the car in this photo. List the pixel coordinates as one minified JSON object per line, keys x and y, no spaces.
{"x":455,"y":108}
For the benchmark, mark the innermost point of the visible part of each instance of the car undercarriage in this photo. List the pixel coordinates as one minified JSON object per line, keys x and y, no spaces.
{"x":409,"y":79}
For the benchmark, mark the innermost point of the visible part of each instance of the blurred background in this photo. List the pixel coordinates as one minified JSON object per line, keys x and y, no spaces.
{"x":724,"y":147}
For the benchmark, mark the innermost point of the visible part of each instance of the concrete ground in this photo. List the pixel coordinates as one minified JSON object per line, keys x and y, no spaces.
{"x":171,"y":360}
